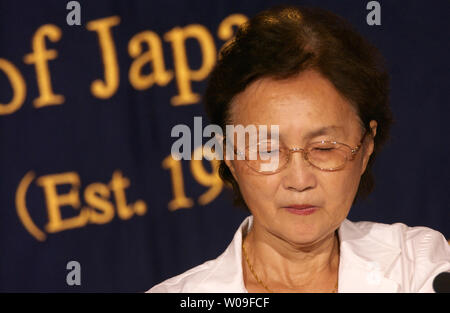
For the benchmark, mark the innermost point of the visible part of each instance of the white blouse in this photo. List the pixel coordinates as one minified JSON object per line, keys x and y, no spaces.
{"x":374,"y":257}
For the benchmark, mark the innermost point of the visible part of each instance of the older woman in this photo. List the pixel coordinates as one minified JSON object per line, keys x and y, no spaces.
{"x":308,"y":72}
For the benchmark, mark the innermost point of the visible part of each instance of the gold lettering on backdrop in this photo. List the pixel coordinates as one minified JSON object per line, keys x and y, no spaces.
{"x":54,"y":201}
{"x":97,"y":196}
{"x":199,"y":173}
{"x":225,"y":30}
{"x":118,"y":185}
{"x":105,"y":89}
{"x":176,"y":174}
{"x":153,"y":56}
{"x":21,"y":207}
{"x":101,"y":211}
{"x":18,"y":86}
{"x":206,"y":179}
{"x":99,"y":208}
{"x":183,"y":73}
{"x":140,"y":207}
{"x":39,"y":58}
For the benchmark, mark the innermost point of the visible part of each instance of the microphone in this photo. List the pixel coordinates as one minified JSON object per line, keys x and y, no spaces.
{"x":441,"y":283}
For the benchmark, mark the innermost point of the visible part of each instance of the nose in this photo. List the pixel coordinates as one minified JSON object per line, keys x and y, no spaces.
{"x":299,"y":174}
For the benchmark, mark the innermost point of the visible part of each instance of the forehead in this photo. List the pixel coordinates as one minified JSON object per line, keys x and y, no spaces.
{"x":302,"y":103}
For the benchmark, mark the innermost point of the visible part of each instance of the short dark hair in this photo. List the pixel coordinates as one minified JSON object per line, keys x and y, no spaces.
{"x":283,"y":41}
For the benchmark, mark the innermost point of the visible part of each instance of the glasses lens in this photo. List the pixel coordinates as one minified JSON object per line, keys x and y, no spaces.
{"x":266,"y":157}
{"x":328,"y":155}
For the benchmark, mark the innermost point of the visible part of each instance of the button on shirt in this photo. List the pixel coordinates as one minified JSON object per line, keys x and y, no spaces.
{"x":374,"y":257}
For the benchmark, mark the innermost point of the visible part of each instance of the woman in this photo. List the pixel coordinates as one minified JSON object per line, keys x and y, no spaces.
{"x":307,"y":71}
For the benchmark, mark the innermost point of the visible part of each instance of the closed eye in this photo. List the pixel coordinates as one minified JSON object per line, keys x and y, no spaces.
{"x":324,"y":149}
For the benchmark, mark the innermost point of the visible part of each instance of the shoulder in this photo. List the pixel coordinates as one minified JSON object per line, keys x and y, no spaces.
{"x":223,"y":274}
{"x":423,"y":252}
{"x":187,"y":281}
{"x":417,"y":241}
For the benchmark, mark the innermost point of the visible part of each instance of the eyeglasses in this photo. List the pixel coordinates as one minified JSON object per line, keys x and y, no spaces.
{"x":268,"y":157}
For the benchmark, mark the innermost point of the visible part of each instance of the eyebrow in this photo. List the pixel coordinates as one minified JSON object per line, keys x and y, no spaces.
{"x":326,"y":130}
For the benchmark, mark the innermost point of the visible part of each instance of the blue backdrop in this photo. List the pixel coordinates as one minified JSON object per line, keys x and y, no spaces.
{"x":86,"y":113}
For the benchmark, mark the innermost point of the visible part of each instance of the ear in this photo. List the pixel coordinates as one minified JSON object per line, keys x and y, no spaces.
{"x":369,"y":146}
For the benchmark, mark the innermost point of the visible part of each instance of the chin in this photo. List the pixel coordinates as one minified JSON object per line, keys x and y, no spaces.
{"x":302,"y":232}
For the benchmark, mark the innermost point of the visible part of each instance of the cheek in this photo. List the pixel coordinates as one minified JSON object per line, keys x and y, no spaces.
{"x":256,"y":189}
{"x":341,"y":186}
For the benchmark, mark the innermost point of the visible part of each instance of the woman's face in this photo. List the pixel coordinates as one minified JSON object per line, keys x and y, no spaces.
{"x":300,"y":105}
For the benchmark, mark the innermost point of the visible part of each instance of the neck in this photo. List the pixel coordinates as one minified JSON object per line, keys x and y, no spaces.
{"x":292,"y":266}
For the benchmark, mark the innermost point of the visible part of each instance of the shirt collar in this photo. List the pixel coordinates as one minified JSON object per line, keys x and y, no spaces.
{"x":364,"y":262}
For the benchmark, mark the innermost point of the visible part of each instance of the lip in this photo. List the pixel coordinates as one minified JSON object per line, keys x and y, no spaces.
{"x":301,"y":209}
